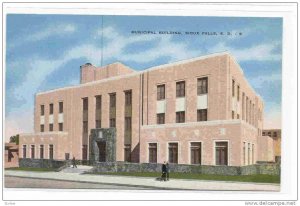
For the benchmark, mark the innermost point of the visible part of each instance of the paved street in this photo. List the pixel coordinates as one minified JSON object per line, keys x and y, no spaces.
{"x":24,"y":182}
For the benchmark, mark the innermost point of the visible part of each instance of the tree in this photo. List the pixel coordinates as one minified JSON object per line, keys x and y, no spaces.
{"x":14,"y":139}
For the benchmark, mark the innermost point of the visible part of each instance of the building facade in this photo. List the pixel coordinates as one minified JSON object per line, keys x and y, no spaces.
{"x":196,"y":111}
{"x":275,"y":134}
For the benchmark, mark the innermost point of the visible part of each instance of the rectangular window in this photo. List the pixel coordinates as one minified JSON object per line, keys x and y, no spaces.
{"x":180,"y":117}
{"x":160,"y":118}
{"x":84,"y":152}
{"x":152,"y":152}
{"x":128,"y":98}
{"x":85,"y":127}
{"x":244,"y":153}
{"x":237,"y":116}
{"x":201,"y":115}
{"x":243,"y":106}
{"x":195,"y":152}
{"x":61,"y":107}
{"x":127,"y":153}
{"x":202,"y":85}
{"x":60,"y":127}
{"x":85,"y":104}
{"x":98,"y":102}
{"x":274,"y":134}
{"x":112,"y":100}
{"x":270,"y":134}
{"x":42,"y":110}
{"x":112,"y":122}
{"x":221,"y":152}
{"x":238,"y":93}
{"x":42,"y":128}
{"x":180,"y":89}
{"x":24,"y":151}
{"x":232,"y":114}
{"x":263,"y":133}
{"x":41,"y":151}
{"x":249,"y":149}
{"x":98,"y":123}
{"x":233,"y":87}
{"x":51,"y":151}
{"x":161,"y":92}
{"x":51,"y":109}
{"x":50,"y":127}
{"x":253,"y":161}
{"x":127,"y":123}
{"x":32,"y":151}
{"x":173,"y":153}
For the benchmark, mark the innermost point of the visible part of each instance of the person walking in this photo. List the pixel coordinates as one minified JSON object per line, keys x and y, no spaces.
{"x":74,"y":162}
{"x":164,"y":171}
{"x":167,"y":171}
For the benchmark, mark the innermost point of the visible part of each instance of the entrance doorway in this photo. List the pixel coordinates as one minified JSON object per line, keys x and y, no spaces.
{"x":102,"y":151}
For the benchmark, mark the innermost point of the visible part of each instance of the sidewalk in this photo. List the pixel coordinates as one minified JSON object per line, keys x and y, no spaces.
{"x":178,"y":184}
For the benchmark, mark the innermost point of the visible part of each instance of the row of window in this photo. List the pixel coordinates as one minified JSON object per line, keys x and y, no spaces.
{"x":202,"y":88}
{"x":51,"y":108}
{"x":41,"y":151}
{"x":180,"y":116}
{"x":221,"y":152}
{"x":250,"y":153}
{"x":60,"y":127}
{"x":269,"y":133}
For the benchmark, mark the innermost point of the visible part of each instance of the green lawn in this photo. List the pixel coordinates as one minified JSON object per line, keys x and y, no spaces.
{"x":242,"y":178}
{"x":32,"y":169}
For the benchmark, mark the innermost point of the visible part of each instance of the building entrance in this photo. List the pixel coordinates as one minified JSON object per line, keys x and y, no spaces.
{"x":102,"y":151}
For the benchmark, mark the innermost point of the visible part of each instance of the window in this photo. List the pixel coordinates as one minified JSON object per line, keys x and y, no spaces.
{"x":249,"y":149}
{"x":152,"y":152}
{"x":50,"y":127}
{"x":238,"y":93}
{"x":195,"y":152}
{"x":160,"y":118}
{"x":127,"y":123}
{"x":24,"y":151}
{"x":253,"y":161}
{"x":233,"y":85}
{"x":127,"y":153}
{"x":112,"y":101}
{"x":98,"y":123}
{"x":32,"y":151}
{"x":128,"y":98}
{"x":85,"y":102}
{"x":201,"y":115}
{"x":269,"y":134}
{"x":42,"y":110}
{"x":237,"y":116}
{"x":221,"y":152}
{"x":274,"y":134}
{"x":202,"y":86}
{"x":244,"y":153}
{"x":173,"y":153}
{"x":61,"y":107}
{"x":180,"y":117}
{"x":41,"y":151}
{"x":161,"y":92}
{"x":85,"y":127}
{"x":42,"y":128}
{"x":60,"y":127}
{"x":180,"y":89}
{"x":51,"y":109}
{"x":84,"y":152}
{"x":243,"y":106}
{"x":51,"y":151}
{"x":232,"y":114}
{"x":112,"y":122}
{"x":263,"y":133}
{"x":98,"y":102}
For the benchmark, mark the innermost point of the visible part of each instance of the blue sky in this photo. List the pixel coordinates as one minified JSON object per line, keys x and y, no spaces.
{"x":45,"y":51}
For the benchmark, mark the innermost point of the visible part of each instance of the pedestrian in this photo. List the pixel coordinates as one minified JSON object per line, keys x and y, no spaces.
{"x":164,"y":171}
{"x":74,"y":162}
{"x":167,"y":171}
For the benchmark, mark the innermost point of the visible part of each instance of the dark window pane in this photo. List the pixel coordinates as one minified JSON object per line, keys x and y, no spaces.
{"x":60,"y":126}
{"x":127,"y":153}
{"x":61,"y":107}
{"x":173,"y":153}
{"x":160,"y":118}
{"x":42,"y":110}
{"x":153,"y":152}
{"x":51,"y":109}
{"x":180,"y":117}
{"x":202,"y":85}
{"x":160,"y":92}
{"x":221,"y":153}
{"x":128,"y":98}
{"x":180,"y":89}
{"x":202,"y":115}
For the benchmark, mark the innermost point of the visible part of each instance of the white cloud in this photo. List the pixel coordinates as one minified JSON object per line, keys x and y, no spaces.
{"x":50,"y":31}
{"x":261,"y":52}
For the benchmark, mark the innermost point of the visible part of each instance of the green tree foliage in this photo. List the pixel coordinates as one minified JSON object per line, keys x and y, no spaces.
{"x":14,"y":139}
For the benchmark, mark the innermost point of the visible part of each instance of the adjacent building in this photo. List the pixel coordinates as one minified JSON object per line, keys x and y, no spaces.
{"x":196,"y":111}
{"x":275,"y":134}
{"x":11,"y":155}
